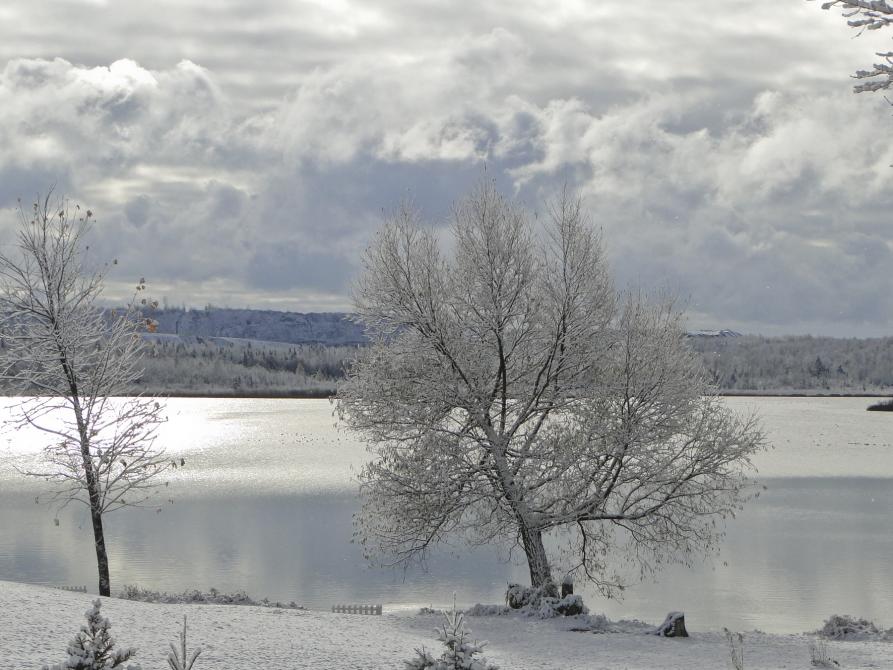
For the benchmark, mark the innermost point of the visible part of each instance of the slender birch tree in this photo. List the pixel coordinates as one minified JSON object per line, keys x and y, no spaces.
{"x":509,"y":394}
{"x":69,"y":358}
{"x":869,"y":15}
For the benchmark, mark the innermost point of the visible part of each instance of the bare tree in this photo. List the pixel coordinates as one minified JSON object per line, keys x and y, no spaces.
{"x":509,"y":394}
{"x":869,"y":15}
{"x":69,"y":358}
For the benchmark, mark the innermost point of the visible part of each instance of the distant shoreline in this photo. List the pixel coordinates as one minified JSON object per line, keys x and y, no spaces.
{"x":263,"y":395}
{"x":317,"y":394}
{"x":801,"y":394}
{"x":269,"y":395}
{"x":310,"y":395}
{"x":304,"y":394}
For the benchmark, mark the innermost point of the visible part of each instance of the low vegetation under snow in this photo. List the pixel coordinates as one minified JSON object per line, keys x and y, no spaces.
{"x":37,"y":623}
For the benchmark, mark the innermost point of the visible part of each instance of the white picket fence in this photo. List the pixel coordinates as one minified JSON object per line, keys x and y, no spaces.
{"x":76,"y":589}
{"x":356,"y":609}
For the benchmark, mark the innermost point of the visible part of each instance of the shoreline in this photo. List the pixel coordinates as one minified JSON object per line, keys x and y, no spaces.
{"x":315,"y":394}
{"x":324,"y":394}
{"x":801,"y":394}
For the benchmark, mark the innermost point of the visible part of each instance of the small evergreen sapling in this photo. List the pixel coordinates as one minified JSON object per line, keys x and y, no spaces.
{"x":180,"y":660}
{"x":93,"y":647}
{"x":460,"y":653}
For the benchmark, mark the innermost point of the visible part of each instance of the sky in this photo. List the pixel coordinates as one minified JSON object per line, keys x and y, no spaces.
{"x":243,"y":152}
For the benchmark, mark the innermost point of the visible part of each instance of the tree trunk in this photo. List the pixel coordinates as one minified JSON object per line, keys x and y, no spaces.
{"x":102,"y":559}
{"x":93,"y":491}
{"x":537,"y":561}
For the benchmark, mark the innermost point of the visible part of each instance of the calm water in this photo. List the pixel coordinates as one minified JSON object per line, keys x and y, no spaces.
{"x":265,"y":505}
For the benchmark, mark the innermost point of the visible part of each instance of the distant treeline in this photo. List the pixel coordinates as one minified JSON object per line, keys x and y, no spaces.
{"x":329,"y":328}
{"x":245,"y":352}
{"x":798,"y":363}
{"x":220,"y":366}
{"x":220,"y":351}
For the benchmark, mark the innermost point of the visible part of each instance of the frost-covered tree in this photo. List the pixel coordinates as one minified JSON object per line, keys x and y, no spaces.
{"x":869,"y":15}
{"x":509,"y":394}
{"x":69,"y":358}
{"x":93,"y":648}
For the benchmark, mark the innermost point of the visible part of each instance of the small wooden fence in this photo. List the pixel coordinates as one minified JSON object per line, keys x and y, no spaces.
{"x":356,"y":609}
{"x":76,"y":589}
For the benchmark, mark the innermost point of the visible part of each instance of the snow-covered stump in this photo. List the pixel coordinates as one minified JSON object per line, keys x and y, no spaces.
{"x":673,"y":626}
{"x":567,"y":586}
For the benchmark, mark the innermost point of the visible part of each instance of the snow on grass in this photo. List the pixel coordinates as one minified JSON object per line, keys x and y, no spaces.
{"x":196,"y":597}
{"x":37,"y":622}
{"x":845,"y":627}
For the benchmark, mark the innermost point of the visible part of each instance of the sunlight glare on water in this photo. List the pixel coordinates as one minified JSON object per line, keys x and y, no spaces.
{"x":266,"y":499}
{"x":278,"y":446}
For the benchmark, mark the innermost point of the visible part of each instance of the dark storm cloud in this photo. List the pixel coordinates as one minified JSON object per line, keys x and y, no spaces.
{"x":243,"y":152}
{"x":289,"y":266}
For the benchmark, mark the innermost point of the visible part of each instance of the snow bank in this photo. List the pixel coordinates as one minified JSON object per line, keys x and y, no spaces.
{"x":36,"y":623}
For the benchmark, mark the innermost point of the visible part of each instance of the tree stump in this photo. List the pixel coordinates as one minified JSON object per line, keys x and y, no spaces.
{"x":673,"y":626}
{"x":567,"y":586}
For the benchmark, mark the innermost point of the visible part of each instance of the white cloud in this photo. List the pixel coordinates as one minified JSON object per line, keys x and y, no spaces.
{"x":250,"y":149}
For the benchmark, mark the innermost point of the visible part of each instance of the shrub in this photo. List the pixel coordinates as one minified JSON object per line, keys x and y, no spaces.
{"x":736,"y":648}
{"x":543,"y":602}
{"x":845,"y":627}
{"x":212,"y":597}
{"x":518,"y":596}
{"x":819,"y":656}
{"x":93,"y":648}
{"x":179,"y":659}
{"x":488,"y":610}
{"x":460,"y":654}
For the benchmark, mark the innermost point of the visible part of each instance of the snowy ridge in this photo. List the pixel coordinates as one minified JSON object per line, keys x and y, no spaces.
{"x":714,"y":333}
{"x":327,"y":328}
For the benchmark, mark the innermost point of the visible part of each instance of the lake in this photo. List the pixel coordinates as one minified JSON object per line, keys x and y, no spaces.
{"x":265,"y":502}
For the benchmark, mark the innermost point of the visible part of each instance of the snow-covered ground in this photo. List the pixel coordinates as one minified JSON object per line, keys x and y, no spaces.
{"x":36,"y":623}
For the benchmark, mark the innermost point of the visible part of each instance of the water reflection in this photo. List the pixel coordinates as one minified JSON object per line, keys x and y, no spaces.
{"x":287,"y":548}
{"x":266,"y":503}
{"x":806,"y":549}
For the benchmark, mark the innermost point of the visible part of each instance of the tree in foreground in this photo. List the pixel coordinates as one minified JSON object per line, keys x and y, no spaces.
{"x":509,"y":394}
{"x":69,"y":358}
{"x":460,"y":654}
{"x":869,"y":15}
{"x":93,"y":648}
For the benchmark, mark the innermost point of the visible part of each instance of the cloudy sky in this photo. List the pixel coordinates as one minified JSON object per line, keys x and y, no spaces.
{"x":241,"y":152}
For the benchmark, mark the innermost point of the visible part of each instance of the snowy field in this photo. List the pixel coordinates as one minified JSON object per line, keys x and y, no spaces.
{"x":37,"y":622}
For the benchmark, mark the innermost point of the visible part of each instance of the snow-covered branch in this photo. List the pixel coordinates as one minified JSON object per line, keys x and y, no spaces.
{"x":869,"y":15}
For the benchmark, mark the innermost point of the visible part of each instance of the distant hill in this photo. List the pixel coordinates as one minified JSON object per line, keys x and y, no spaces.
{"x":240,"y":351}
{"x":714,"y":333}
{"x":326,"y":328}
